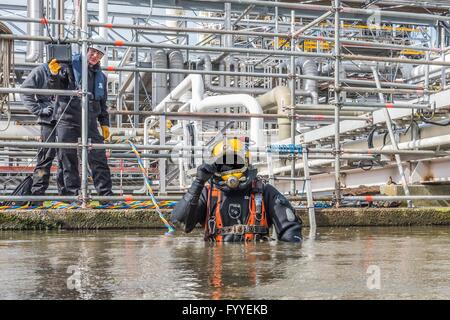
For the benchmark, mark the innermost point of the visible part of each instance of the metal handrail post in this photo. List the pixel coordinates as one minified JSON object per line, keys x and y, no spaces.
{"x":162,"y":161}
{"x":309,"y":197}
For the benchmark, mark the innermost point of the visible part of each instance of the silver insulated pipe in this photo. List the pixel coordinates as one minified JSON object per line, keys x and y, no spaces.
{"x":176,"y":61}
{"x":309,"y":67}
{"x":35,"y":49}
{"x":159,"y":80}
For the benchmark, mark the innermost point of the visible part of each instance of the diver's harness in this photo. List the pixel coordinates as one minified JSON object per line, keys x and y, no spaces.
{"x":256,"y":226}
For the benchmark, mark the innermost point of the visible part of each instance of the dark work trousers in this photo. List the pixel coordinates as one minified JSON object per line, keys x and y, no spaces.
{"x":97,"y":161}
{"x":45,"y":157}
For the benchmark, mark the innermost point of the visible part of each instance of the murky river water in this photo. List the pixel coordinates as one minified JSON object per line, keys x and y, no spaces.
{"x":352,"y":263}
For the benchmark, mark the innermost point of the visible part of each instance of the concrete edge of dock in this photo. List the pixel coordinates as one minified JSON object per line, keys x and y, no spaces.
{"x":134,"y":219}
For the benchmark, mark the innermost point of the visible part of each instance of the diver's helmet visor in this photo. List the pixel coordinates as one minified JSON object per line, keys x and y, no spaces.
{"x":232,"y":161}
{"x":231,"y":174}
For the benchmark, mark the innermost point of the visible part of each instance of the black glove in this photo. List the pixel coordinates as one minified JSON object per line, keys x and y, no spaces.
{"x":205,"y":172}
{"x":46,"y":111}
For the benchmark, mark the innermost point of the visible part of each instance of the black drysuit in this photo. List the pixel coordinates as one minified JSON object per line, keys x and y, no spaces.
{"x":234,"y":209}
{"x":69,"y":131}
{"x":42,"y":107}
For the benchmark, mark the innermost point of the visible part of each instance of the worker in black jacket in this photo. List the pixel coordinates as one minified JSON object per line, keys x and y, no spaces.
{"x":69,"y":129}
{"x":236,"y":205}
{"x":42,"y":106}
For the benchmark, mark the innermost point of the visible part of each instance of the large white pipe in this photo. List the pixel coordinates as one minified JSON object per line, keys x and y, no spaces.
{"x":235,"y":100}
{"x":281,"y":97}
{"x":422,"y":143}
{"x":194,"y":83}
{"x":34,"y":48}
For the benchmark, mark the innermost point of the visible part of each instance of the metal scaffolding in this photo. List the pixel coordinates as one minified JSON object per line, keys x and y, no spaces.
{"x":354,"y":72}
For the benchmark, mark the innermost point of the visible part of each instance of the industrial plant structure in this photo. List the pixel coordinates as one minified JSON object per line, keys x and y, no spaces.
{"x":345,"y":102}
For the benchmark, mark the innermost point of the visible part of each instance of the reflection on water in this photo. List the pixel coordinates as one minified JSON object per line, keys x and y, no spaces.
{"x":145,"y":264}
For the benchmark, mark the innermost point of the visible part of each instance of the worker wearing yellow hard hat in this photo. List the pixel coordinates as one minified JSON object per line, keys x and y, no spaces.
{"x":236,"y":205}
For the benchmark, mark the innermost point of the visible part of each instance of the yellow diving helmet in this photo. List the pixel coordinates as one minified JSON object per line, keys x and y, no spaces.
{"x":231,"y":157}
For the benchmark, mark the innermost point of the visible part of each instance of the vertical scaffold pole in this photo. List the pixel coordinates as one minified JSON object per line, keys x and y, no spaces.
{"x":162,"y":162}
{"x":292,"y":88}
{"x":84,"y":105}
{"x":136,"y":84}
{"x":443,"y":54}
{"x":337,"y":98}
{"x":275,"y":40}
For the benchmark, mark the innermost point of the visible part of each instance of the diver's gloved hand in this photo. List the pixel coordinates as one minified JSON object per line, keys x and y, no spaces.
{"x":205,"y":172}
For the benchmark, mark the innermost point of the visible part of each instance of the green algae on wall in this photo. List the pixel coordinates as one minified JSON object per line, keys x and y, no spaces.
{"x":130,"y":219}
{"x":78,"y":219}
{"x":380,"y":217}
